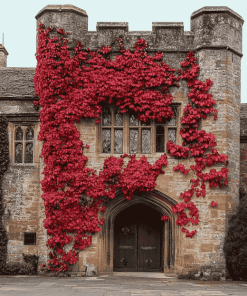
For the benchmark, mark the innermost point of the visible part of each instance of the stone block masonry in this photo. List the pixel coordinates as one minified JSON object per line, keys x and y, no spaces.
{"x":216,"y":40}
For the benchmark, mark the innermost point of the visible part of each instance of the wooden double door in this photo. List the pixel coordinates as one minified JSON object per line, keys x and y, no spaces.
{"x":138,"y":240}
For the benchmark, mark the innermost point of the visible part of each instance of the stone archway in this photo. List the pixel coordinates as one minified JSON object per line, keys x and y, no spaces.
{"x":156,"y":200}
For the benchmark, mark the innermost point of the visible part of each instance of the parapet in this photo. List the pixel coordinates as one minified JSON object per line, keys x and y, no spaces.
{"x":112,"y":25}
{"x":61,"y":8}
{"x":216,"y":27}
{"x":216,"y":9}
{"x":72,"y":19}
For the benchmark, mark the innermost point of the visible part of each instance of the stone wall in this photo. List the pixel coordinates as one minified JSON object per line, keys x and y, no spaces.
{"x":243,"y":150}
{"x":24,"y":209}
{"x":216,"y":39}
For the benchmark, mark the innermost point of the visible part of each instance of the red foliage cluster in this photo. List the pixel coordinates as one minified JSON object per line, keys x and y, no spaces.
{"x":71,"y":88}
{"x":165,"y":218}
{"x":213,"y":203}
{"x":181,"y":168}
{"x":176,"y":150}
{"x":198,"y":141}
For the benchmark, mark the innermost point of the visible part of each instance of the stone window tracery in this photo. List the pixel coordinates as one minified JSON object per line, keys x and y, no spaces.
{"x":124,"y":133}
{"x":23,"y":144}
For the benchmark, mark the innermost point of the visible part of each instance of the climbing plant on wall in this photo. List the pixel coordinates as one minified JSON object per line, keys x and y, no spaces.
{"x":78,"y":86}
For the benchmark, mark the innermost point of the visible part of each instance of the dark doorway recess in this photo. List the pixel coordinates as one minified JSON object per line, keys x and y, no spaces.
{"x":138,"y":240}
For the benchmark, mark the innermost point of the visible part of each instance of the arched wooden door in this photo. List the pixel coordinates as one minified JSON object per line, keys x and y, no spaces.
{"x":138,"y":239}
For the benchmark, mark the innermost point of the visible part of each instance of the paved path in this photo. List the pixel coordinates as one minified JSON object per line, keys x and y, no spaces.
{"x":116,"y":284}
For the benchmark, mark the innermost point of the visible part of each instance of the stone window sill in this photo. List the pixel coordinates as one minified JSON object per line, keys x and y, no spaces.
{"x":23,"y":164}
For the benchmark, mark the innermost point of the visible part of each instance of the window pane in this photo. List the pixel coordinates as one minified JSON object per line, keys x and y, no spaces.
{"x":118,"y":117}
{"x":172,"y":135}
{"x":133,"y":141}
{"x":146,"y":141}
{"x":29,"y":153}
{"x":160,"y":139}
{"x":106,"y":140}
{"x":118,"y":141}
{"x":29,"y":133}
{"x":148,"y":122}
{"x":19,"y":134}
{"x":134,"y":120}
{"x":106,"y":117}
{"x":172,"y":122}
{"x":18,"y":152}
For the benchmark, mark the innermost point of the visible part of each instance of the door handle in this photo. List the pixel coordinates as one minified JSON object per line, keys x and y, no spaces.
{"x":149,"y":261}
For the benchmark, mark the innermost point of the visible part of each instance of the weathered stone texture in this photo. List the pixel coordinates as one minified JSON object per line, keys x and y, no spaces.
{"x":243,"y":150}
{"x":216,"y":39}
{"x":20,"y":107}
{"x":217,"y":26}
{"x":72,"y":19}
{"x":3,"y":56}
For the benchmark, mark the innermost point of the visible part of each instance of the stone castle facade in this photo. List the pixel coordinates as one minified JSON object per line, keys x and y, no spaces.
{"x":216,"y":40}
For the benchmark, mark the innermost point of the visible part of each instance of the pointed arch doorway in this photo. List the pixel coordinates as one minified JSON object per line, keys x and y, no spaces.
{"x":138,"y":239}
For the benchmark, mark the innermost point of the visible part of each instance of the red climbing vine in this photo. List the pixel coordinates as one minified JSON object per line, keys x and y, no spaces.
{"x":71,"y":88}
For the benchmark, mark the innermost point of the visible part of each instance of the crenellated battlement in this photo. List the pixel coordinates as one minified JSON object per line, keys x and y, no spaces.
{"x":216,"y":27}
{"x":112,"y":26}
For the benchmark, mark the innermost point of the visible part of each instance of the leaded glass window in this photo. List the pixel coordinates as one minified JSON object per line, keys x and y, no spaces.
{"x":134,"y":120}
{"x":29,"y":133}
{"x":133,"y":140}
{"x":160,"y":138}
{"x":29,"y":153}
{"x":146,"y":141}
{"x":112,"y":136}
{"x":140,"y":136}
{"x":106,"y":117}
{"x":124,"y":133}
{"x":23,"y":147}
{"x":118,"y":117}
{"x":173,"y":120}
{"x":18,"y":152}
{"x":106,"y":140}
{"x":166,"y":131}
{"x":118,"y":141}
{"x":19,"y":133}
{"x":172,"y":135}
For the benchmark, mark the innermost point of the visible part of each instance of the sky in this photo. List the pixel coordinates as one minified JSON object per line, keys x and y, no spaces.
{"x":18,"y":23}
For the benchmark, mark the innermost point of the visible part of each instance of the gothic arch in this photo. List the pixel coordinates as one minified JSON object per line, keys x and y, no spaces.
{"x":155,"y":199}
